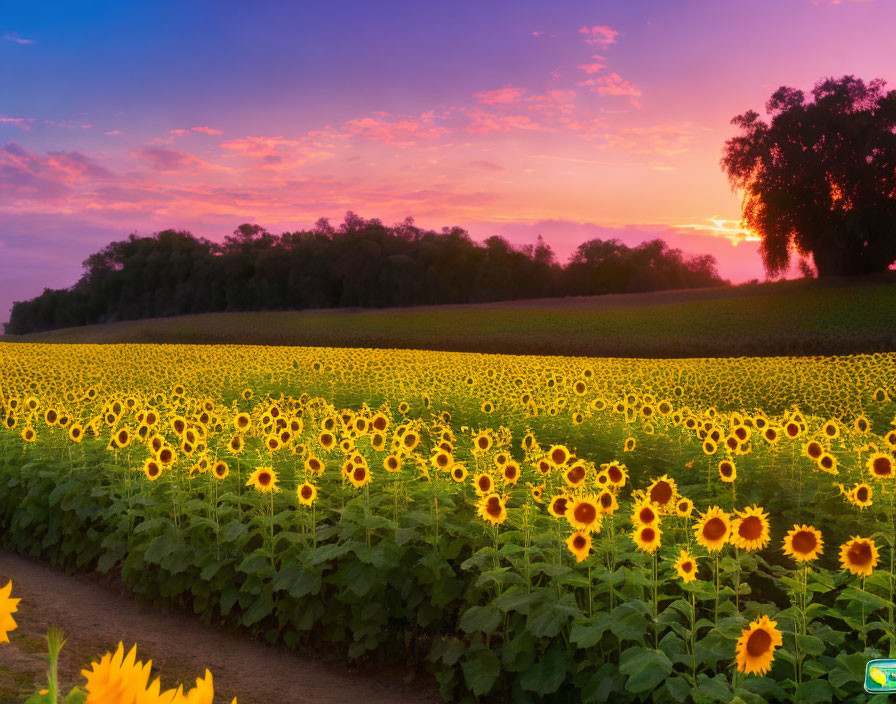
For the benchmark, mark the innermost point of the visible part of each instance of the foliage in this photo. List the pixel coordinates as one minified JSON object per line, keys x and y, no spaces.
{"x":409,"y":562}
{"x":362,"y":263}
{"x":818,"y":178}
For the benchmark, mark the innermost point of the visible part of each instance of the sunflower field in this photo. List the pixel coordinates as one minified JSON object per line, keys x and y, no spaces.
{"x":527,"y":528}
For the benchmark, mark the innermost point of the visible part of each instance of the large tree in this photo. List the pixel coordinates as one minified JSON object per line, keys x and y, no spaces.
{"x":819,"y":178}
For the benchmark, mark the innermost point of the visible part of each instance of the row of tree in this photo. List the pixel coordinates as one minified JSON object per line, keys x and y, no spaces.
{"x":361,"y":263}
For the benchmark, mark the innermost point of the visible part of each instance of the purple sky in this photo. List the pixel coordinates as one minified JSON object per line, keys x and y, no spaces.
{"x":571,"y":120}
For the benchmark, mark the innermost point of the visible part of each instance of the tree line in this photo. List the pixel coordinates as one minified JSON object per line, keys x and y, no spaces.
{"x":360,"y":263}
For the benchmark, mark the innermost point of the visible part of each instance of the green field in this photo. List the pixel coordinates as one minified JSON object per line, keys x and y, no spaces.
{"x":783,"y":318}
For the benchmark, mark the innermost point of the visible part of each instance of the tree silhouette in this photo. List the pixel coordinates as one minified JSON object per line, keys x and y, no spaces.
{"x":820,"y":177}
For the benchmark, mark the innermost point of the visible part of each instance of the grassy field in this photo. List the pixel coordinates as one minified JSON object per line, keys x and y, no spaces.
{"x":791,"y":317}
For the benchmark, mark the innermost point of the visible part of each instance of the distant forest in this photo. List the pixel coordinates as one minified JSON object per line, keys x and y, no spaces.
{"x":361,"y":263}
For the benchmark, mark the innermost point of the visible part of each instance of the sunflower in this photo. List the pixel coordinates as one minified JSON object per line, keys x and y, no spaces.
{"x":861,"y":495}
{"x":152,"y":469}
{"x":662,"y":492}
{"x":484,"y":484}
{"x":459,"y":473}
{"x":558,"y":506}
{"x":713,"y":529}
{"x":686,"y":567}
{"x":727,"y":471}
{"x":263,"y":479}
{"x":579,"y":544}
{"x":607,"y":503}
{"x":575,"y":476}
{"x":749,"y":529}
{"x":617,"y":474}
{"x":392,"y":463}
{"x":559,"y":455}
{"x":28,"y":434}
{"x":881,"y":466}
{"x":813,"y":449}
{"x":803,"y":543}
{"x":360,"y":475}
{"x":482,"y":442}
{"x":117,"y":678}
{"x":756,"y":646}
{"x":827,"y":463}
{"x":629,"y":445}
{"x":861,"y":425}
{"x":220,"y":470}
{"x":584,"y":514}
{"x":647,"y":538}
{"x":76,"y":432}
{"x":8,"y":607}
{"x":644,"y":514}
{"x":683,"y":507}
{"x":859,"y":555}
{"x":510,"y":472}
{"x":537,"y":492}
{"x":306,"y":493}
{"x":493,"y":508}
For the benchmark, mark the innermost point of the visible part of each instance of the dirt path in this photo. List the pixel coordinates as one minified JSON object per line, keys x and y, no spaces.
{"x":95,"y":618}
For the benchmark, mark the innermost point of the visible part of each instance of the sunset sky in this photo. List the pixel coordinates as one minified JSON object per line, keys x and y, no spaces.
{"x":567,"y":119}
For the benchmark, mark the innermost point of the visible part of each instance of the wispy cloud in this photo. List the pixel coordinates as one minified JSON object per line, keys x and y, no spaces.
{"x":599,"y":34}
{"x":23,"y":123}
{"x":203,"y":129}
{"x":16,"y":39}
{"x":615,"y":85}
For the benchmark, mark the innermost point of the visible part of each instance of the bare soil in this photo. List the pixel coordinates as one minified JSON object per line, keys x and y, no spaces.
{"x":95,"y":617}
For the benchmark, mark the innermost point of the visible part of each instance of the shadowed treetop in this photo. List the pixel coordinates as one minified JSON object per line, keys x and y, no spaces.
{"x":819,"y":178}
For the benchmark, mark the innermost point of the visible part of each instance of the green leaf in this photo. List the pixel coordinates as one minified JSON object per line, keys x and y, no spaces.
{"x":254,"y":562}
{"x":810,"y":645}
{"x":628,"y":621}
{"x":679,"y":687}
{"x":481,"y":618}
{"x":646,"y":668}
{"x":813,"y":692}
{"x":712,"y":689}
{"x":586,"y":633}
{"x":233,"y":531}
{"x":260,"y":608}
{"x":547,"y":674}
{"x":480,"y":671}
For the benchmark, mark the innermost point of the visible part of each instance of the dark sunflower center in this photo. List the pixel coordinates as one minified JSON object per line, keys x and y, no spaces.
{"x":359,"y":474}
{"x":859,"y":554}
{"x":560,"y":506}
{"x":714,"y":529}
{"x":647,"y":515}
{"x":483,"y":443}
{"x":661,"y":493}
{"x":750,"y":528}
{"x":264,"y":478}
{"x":493,"y":507}
{"x":615,"y":474}
{"x":576,"y":474}
{"x":306,"y":492}
{"x":814,"y":450}
{"x":485,"y":483}
{"x":510,"y":471}
{"x":585,"y":513}
{"x":804,"y":542}
{"x":759,"y":643}
{"x":606,"y":500}
{"x":687,"y":567}
{"x":727,"y":469}
{"x":648,"y":535}
{"x":579,"y":542}
{"x":881,"y":466}
{"x":558,"y":456}
{"x":862,"y":493}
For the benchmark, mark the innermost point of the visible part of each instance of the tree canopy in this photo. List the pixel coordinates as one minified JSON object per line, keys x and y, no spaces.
{"x":819,"y":178}
{"x":361,"y":263}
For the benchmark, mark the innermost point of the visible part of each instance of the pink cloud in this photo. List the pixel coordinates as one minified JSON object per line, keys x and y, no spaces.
{"x":662,"y":140}
{"x":599,"y":34}
{"x":403,"y":131}
{"x":614,"y":85}
{"x":166,"y":159}
{"x":113,"y":133}
{"x":259,"y":146}
{"x":177,"y":132}
{"x":500,"y":96}
{"x":27,"y":176}
{"x":483,"y":122}
{"x":16,"y":39}
{"x":23,"y":123}
{"x":206,"y":130}
{"x":593,"y":67}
